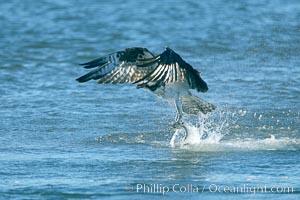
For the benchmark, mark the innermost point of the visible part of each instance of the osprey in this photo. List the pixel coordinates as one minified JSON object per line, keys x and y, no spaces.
{"x":167,"y":75}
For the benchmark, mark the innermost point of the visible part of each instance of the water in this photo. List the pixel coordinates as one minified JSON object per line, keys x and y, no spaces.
{"x":64,"y":140}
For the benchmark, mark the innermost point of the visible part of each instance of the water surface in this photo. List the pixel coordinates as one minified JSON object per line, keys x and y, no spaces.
{"x":64,"y":140}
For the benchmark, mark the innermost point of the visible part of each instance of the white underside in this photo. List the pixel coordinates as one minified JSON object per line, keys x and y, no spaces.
{"x":172,"y":91}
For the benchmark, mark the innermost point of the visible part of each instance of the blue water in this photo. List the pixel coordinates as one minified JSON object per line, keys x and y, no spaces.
{"x":64,"y":140}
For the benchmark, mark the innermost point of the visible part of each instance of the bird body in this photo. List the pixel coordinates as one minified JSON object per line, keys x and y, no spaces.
{"x":167,"y":75}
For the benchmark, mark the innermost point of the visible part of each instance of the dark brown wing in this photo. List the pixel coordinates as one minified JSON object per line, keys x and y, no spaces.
{"x":118,"y":67}
{"x":169,"y":68}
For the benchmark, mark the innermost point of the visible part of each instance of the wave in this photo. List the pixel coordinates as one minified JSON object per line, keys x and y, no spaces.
{"x":225,"y":129}
{"x":214,"y":143}
{"x":210,"y":131}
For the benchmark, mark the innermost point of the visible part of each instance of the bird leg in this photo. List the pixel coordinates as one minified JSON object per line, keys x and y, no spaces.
{"x":178,"y":118}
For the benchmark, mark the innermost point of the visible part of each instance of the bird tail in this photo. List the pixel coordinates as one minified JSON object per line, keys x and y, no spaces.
{"x":194,"y":105}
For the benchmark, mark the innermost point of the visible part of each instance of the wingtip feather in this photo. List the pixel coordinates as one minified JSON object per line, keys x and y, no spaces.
{"x":82,"y":79}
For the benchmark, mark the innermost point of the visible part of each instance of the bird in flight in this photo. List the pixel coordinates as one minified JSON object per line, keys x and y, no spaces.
{"x":167,"y":75}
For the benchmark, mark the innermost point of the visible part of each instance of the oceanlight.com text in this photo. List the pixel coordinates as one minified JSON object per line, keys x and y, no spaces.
{"x":209,"y":188}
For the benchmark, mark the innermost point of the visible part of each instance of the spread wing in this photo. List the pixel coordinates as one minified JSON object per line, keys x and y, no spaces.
{"x":139,"y":65}
{"x":169,"y":68}
{"x":119,"y":67}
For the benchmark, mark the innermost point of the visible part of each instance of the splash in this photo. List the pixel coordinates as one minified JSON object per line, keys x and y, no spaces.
{"x":209,"y":133}
{"x":209,"y":129}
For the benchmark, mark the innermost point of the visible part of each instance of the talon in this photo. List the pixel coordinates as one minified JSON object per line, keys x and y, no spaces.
{"x":178,"y":124}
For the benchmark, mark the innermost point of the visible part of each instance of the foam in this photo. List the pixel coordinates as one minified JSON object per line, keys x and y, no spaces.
{"x":210,"y":131}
